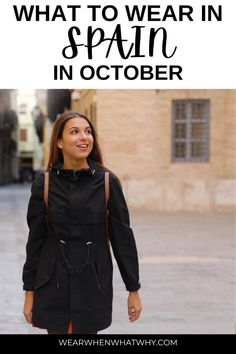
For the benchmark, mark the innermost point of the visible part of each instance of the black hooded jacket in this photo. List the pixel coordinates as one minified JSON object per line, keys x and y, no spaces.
{"x":68,"y":263}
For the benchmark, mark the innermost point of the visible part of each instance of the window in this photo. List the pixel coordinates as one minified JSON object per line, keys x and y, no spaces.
{"x":23,"y":108}
{"x":93,"y":107}
{"x":190,"y":130}
{"x":23,"y":134}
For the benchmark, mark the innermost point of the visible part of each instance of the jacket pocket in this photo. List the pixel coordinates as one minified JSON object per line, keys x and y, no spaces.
{"x":97,"y":278}
{"x":46,"y":264}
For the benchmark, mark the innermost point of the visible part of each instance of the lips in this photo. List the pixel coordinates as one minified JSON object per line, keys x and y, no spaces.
{"x":82,"y":146}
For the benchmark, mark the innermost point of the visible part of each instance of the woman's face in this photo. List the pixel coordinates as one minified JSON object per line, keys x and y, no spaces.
{"x":77,"y":140}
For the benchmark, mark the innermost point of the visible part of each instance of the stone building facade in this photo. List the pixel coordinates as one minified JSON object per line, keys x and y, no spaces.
{"x":145,"y":135}
{"x":8,"y":137}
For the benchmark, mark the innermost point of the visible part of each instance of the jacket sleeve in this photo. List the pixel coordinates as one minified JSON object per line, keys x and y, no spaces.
{"x":121,"y":236}
{"x":37,"y":232}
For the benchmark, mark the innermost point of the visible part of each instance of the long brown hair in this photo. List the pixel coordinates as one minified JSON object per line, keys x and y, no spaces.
{"x":56,"y":155}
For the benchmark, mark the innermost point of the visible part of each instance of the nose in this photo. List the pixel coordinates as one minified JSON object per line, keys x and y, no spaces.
{"x":82,"y":136}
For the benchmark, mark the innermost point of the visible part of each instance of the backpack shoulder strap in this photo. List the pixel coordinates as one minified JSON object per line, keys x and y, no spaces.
{"x":107,"y":187}
{"x":46,"y":188}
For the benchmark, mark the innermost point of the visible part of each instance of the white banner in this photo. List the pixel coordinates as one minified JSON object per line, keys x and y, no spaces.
{"x":117,"y":44}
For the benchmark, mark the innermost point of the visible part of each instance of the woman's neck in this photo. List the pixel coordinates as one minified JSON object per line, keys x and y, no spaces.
{"x":75,"y":165}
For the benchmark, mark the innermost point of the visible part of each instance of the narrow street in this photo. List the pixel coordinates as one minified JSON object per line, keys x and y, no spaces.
{"x":187,"y":271}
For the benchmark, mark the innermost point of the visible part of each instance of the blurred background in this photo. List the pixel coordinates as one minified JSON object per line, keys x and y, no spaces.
{"x":175,"y":154}
{"x":172,"y":149}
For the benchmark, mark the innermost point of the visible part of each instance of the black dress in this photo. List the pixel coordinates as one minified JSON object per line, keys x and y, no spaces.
{"x":68,"y":263}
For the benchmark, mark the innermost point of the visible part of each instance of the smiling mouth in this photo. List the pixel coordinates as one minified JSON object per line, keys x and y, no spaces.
{"x":82,"y":146}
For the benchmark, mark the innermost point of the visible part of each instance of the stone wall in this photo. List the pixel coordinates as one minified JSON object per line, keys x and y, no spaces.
{"x":135,"y":133}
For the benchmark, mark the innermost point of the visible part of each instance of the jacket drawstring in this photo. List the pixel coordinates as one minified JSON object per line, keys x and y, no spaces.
{"x":65,"y":261}
{"x":59,"y":274}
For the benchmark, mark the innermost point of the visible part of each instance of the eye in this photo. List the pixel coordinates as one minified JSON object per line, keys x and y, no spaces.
{"x":74,"y":131}
{"x":89,"y":131}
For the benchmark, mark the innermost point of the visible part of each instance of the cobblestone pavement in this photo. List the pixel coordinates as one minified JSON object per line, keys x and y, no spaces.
{"x":187,"y":271}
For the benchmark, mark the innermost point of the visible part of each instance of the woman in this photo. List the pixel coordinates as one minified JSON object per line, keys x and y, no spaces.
{"x":67,"y":275}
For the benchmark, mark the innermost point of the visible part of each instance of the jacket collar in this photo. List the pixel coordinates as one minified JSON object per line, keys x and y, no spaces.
{"x":59,"y":170}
